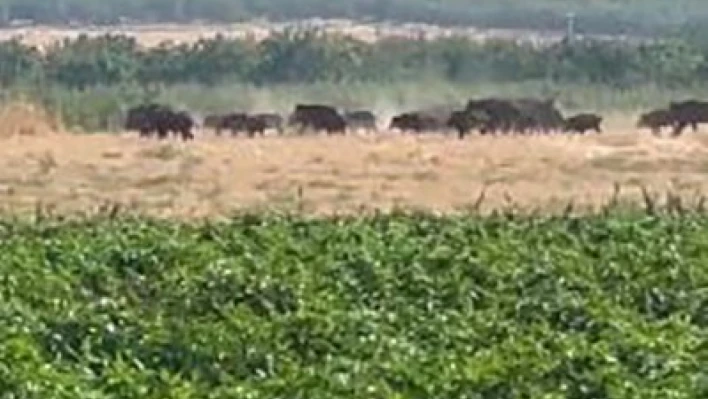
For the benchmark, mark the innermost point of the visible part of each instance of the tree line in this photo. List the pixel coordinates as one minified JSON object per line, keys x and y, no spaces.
{"x":310,"y":57}
{"x":634,"y":17}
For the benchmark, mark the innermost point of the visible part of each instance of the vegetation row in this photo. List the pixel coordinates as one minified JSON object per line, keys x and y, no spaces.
{"x":308,"y":56}
{"x":385,"y":306}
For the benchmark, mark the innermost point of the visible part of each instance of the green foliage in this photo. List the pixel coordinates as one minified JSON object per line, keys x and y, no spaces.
{"x":85,"y":61}
{"x":389,"y":306}
{"x":309,"y":56}
{"x":19,"y":63}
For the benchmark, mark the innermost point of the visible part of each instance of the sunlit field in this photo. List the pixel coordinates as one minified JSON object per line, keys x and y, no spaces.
{"x":215,"y":176}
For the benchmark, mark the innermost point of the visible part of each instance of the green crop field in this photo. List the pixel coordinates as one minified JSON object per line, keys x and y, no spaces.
{"x":383,"y":306}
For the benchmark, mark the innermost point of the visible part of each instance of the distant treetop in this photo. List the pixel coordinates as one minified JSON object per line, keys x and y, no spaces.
{"x":648,"y":17}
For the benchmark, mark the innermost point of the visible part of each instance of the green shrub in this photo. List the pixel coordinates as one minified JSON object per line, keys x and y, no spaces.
{"x":309,"y":57}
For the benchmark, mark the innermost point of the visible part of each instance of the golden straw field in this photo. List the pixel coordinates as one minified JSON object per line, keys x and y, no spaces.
{"x":214,"y":176}
{"x":152,"y":35}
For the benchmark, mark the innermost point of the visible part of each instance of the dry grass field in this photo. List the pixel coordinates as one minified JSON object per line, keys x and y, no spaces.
{"x":153,"y":35}
{"x":215,"y":176}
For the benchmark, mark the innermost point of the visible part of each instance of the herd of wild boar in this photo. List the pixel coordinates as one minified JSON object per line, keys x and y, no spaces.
{"x":487,"y":116}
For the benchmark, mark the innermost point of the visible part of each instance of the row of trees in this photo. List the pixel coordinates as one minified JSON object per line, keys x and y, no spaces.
{"x":305,"y":57}
{"x":627,"y":16}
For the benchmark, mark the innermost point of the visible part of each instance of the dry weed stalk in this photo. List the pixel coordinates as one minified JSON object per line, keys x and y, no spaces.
{"x":23,"y":118}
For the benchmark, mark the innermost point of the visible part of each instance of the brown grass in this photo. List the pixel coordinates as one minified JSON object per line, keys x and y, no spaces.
{"x":26,"y":119}
{"x":153,"y":35}
{"x":215,"y":176}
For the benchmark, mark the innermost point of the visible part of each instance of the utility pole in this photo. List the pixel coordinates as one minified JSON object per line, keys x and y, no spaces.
{"x":61,"y":10}
{"x":570,"y":28}
{"x":179,"y":10}
{"x":5,"y":12}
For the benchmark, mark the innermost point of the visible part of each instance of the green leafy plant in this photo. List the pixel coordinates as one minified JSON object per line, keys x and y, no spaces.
{"x":390,"y":305}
